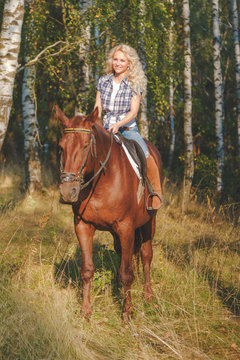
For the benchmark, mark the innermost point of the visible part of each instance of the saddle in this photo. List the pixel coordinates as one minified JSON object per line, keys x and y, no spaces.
{"x":138,"y":157}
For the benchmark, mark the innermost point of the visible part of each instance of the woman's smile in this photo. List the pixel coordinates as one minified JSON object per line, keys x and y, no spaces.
{"x":120,"y":63}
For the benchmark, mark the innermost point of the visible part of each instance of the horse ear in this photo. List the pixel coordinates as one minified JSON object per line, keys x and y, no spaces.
{"x":61,"y":116}
{"x":93,"y":117}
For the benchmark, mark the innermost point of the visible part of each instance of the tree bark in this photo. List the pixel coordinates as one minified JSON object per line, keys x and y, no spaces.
{"x":237,"y":62}
{"x":188,"y":138}
{"x":218,"y":85}
{"x":84,"y":72}
{"x":171,"y":93}
{"x":143,"y":120}
{"x":31,"y":143}
{"x":10,"y":40}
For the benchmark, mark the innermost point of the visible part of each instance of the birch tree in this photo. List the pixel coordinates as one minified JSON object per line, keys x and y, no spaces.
{"x":10,"y":40}
{"x":31,"y":143}
{"x":188,"y":139}
{"x":29,"y":114}
{"x":84,"y":67}
{"x":218,"y":86}
{"x":143,"y":121}
{"x":234,"y":11}
{"x":171,"y":93}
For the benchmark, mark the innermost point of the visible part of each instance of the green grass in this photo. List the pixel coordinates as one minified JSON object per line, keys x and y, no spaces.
{"x":195,"y":279}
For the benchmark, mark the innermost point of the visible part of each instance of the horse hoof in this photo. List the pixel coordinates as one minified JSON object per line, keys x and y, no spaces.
{"x":127,"y":316}
{"x":87,"y":312}
{"x":148,"y":295}
{"x":128,"y":313}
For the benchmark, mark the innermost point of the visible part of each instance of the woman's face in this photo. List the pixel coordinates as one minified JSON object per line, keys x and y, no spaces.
{"x":120,"y":62}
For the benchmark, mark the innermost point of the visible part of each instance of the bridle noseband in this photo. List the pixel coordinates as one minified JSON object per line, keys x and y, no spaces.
{"x":71,"y":177}
{"x":76,"y":130}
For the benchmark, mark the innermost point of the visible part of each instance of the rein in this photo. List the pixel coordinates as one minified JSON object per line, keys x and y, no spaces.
{"x":70,"y":177}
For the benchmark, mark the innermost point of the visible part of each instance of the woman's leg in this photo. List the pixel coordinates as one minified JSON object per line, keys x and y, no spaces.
{"x":133,"y":134}
{"x":154,"y":177}
{"x":152,"y":168}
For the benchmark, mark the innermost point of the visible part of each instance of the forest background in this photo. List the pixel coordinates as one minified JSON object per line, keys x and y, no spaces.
{"x":68,"y":41}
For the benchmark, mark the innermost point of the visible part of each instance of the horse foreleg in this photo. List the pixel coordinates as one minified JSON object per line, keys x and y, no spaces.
{"x":146,"y":256}
{"x":126,"y":271}
{"x":85,"y":234}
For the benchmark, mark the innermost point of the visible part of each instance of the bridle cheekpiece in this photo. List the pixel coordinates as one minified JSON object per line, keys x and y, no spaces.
{"x":70,"y":177}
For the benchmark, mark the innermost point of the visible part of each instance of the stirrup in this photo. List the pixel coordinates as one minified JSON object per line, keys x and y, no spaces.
{"x":150,"y":196}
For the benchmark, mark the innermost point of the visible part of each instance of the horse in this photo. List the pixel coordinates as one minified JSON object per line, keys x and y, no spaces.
{"x":99,"y":182}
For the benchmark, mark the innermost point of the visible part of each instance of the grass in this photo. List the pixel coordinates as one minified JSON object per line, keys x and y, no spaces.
{"x":195,"y":279}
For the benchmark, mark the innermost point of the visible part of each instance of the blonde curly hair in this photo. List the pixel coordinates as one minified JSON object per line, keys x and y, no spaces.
{"x":135,"y":75}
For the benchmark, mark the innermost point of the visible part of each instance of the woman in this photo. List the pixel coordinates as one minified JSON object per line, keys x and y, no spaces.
{"x":119,"y":96}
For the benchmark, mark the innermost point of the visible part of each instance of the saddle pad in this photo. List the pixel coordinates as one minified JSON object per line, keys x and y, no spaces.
{"x":132,"y":162}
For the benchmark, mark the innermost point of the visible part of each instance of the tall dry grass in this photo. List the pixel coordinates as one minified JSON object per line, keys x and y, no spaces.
{"x":195,"y":278}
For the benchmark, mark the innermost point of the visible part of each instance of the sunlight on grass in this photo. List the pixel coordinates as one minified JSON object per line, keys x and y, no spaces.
{"x":195,"y":279}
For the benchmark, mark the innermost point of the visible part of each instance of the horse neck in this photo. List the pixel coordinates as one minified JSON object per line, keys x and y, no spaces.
{"x":103,"y":142}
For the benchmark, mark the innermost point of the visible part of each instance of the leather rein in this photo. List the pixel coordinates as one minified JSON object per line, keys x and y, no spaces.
{"x":71,"y":177}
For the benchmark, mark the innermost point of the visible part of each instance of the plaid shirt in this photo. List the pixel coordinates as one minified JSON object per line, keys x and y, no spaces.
{"x":122,"y":102}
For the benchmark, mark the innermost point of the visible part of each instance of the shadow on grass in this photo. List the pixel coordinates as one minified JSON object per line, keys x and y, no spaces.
{"x":228,"y":294}
{"x":183,"y":255}
{"x":8,"y":204}
{"x":106,"y":262}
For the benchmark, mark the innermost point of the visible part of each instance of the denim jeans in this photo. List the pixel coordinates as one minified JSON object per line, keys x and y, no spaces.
{"x":133,"y":134}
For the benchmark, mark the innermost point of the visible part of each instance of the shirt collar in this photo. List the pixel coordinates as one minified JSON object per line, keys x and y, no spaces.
{"x":110,"y":78}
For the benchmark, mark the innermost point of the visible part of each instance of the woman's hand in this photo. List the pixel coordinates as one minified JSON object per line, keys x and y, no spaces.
{"x":114,"y":128}
{"x":135,"y":103}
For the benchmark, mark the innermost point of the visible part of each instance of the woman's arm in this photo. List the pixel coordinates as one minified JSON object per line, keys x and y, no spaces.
{"x":98,"y":104}
{"x":134,"y":107}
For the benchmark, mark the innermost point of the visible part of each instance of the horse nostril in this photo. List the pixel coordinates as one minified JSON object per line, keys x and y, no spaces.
{"x":74,"y":191}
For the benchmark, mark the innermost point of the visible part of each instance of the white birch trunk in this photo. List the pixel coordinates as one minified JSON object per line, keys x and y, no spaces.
{"x":10,"y":40}
{"x":96,"y":33}
{"x":84,"y":67}
{"x":107,"y":44}
{"x":31,"y":144}
{"x":237,"y":62}
{"x":143,"y":120}
{"x":172,"y":124}
{"x":218,"y":85}
{"x":188,"y":139}
{"x":171,"y":93}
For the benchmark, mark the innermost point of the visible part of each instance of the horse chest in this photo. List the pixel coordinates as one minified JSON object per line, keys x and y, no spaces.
{"x":102,"y":214}
{"x":94,"y":213}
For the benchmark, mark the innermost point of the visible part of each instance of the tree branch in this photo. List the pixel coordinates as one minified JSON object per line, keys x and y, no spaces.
{"x":67,"y":46}
{"x":35,"y":60}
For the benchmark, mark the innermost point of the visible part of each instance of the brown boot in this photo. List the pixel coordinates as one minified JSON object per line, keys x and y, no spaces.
{"x":153,"y":175}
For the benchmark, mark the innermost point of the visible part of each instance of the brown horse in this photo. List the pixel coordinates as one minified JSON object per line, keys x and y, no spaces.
{"x":100,"y":183}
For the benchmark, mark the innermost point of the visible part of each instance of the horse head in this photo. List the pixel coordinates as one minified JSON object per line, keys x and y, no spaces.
{"x":77,"y":153}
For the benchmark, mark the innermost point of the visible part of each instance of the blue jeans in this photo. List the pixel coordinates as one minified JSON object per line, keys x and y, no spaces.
{"x":133,"y":134}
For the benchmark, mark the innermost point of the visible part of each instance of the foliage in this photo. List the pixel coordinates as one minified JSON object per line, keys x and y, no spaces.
{"x":58,"y":80}
{"x":205,"y":168}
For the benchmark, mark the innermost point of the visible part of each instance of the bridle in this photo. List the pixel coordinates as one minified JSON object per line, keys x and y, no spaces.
{"x":67,"y":177}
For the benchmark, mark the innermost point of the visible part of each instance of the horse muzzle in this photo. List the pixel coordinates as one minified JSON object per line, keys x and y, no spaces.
{"x":69,"y":192}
